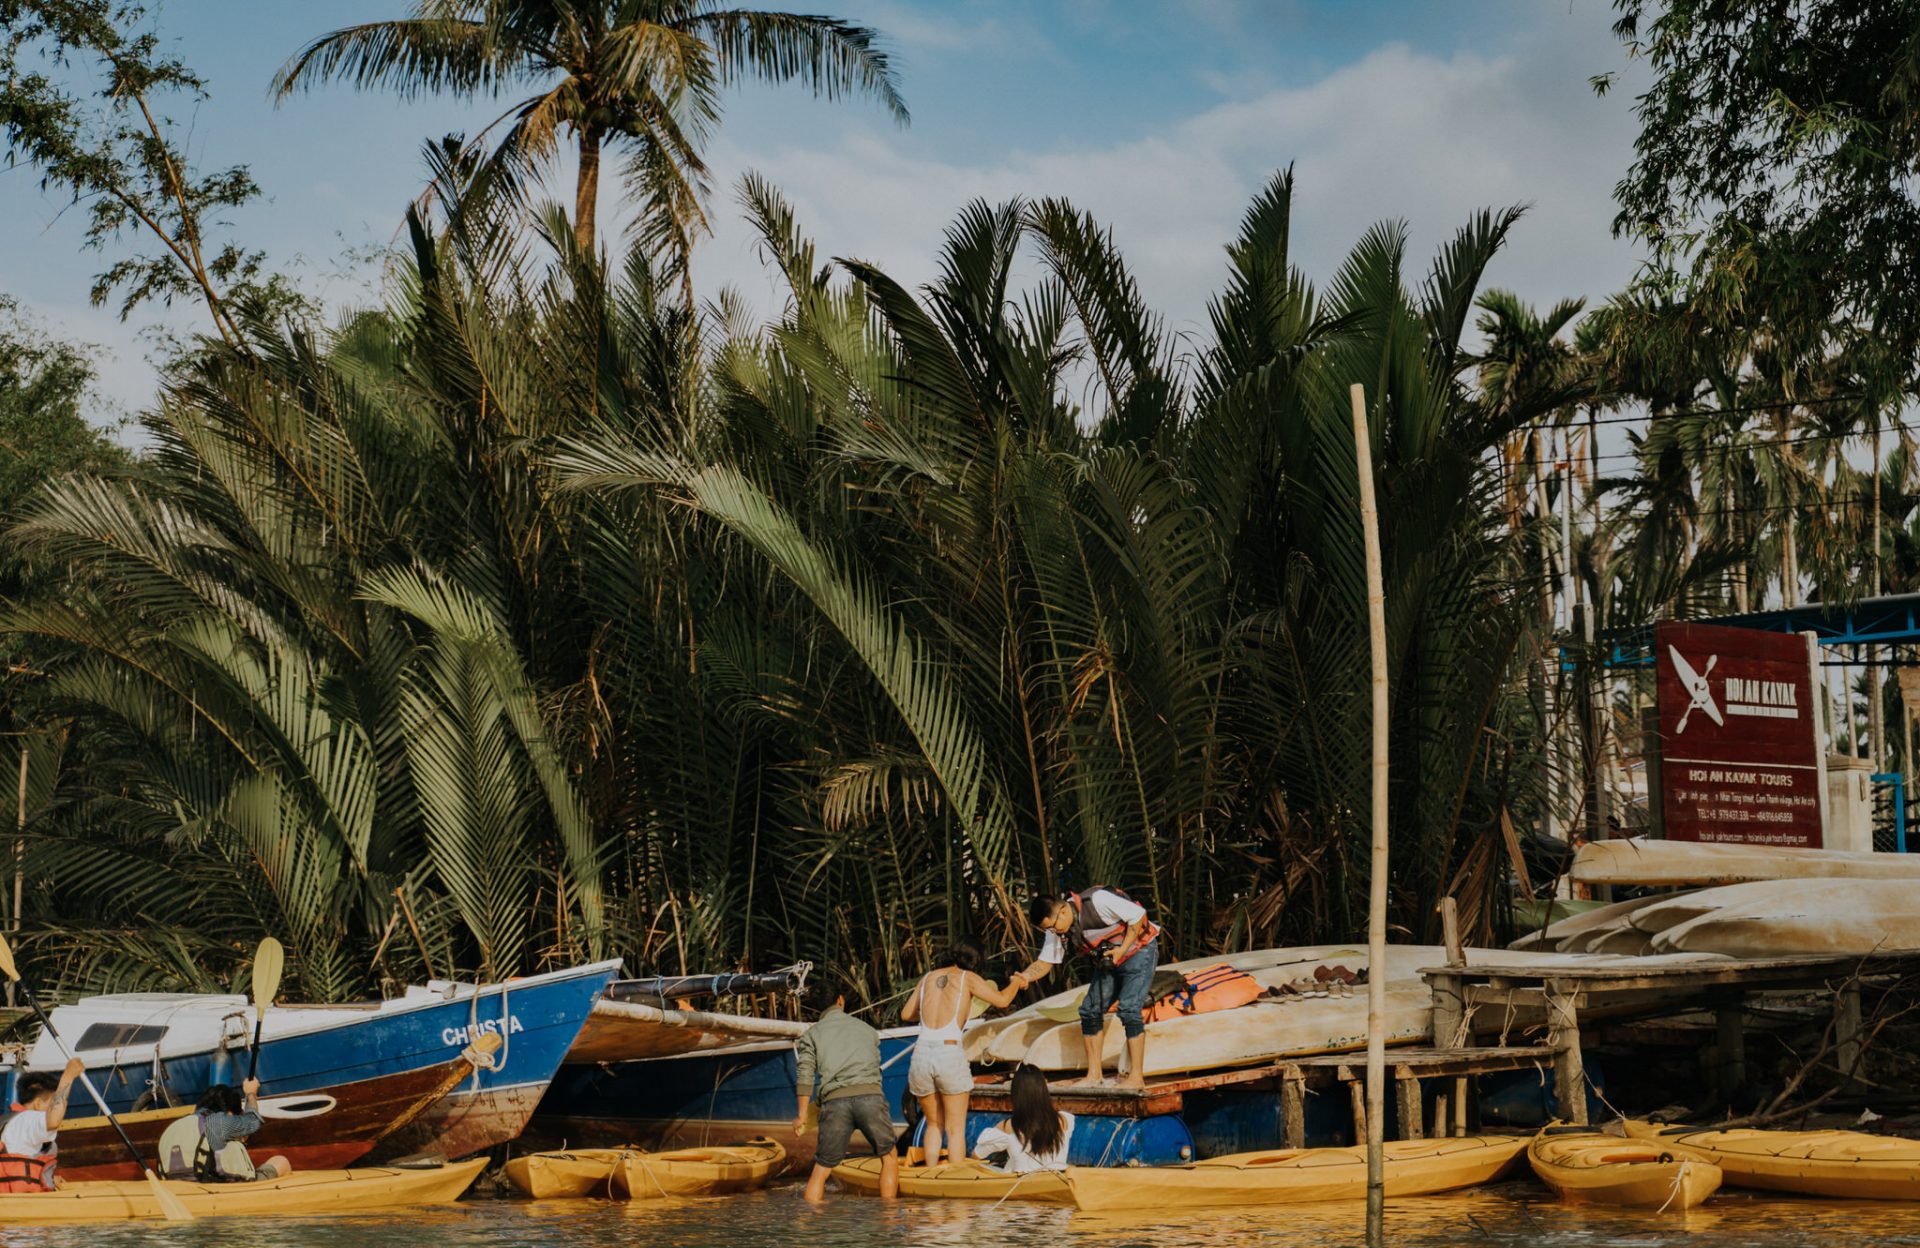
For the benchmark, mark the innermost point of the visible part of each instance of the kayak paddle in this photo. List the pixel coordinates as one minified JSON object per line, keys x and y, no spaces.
{"x":268,"y":961}
{"x":170,"y":1205}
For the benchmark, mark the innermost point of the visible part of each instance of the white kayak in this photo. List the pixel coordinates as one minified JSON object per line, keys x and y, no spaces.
{"x":1009,"y":1037}
{"x":1573,"y":933}
{"x":1789,"y":918}
{"x":1266,"y":1030}
{"x":1681,"y":864}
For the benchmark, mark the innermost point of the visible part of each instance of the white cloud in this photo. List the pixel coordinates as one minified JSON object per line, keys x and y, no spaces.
{"x":1398,"y":134}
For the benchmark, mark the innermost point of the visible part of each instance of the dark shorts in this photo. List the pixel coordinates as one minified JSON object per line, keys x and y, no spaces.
{"x":839,"y":1119}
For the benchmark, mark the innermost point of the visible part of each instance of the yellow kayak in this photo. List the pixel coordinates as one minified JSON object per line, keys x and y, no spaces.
{"x":1606,"y":1170}
{"x":298,"y":1194}
{"x":1413,"y":1168}
{"x":635,"y":1174}
{"x":1850,"y":1165}
{"x":558,"y":1175}
{"x":960,"y":1180}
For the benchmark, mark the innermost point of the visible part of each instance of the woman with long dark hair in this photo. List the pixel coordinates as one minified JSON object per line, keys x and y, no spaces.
{"x":939,"y":1076}
{"x":1038,"y":1136}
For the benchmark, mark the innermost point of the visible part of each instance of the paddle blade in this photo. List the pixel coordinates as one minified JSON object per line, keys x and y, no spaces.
{"x":172,"y":1208}
{"x":269,"y":960}
{"x":7,"y":967}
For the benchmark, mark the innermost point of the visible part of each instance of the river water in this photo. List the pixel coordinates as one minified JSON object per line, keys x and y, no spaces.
{"x":1513,"y":1215}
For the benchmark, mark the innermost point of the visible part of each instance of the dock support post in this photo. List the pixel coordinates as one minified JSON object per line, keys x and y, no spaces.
{"x":1563,"y":1036}
{"x":1407,"y":1107}
{"x":1449,"y":1012}
{"x":1357,"y":1089}
{"x":1293,"y":1107}
{"x":1441,"y":1118}
{"x":1730,"y":1024}
{"x":1846,"y":1029}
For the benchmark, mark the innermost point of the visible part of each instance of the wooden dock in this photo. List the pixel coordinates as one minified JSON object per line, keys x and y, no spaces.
{"x":1409,"y":1068}
{"x":1560,"y":998}
{"x":1480,"y":1008}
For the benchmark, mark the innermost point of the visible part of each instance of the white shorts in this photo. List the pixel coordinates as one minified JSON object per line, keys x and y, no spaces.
{"x":939,"y":1067}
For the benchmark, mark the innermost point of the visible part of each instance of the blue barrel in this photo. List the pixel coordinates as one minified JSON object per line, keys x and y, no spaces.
{"x":1160,"y":1140}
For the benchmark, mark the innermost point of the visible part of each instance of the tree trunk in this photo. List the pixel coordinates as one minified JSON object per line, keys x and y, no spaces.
{"x":586,"y":196}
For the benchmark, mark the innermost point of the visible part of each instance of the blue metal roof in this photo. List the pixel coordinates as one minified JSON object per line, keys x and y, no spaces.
{"x":1894,"y":618}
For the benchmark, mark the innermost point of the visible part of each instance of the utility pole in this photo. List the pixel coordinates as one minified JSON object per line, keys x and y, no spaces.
{"x":1564,"y":786}
{"x":1549,"y":678}
{"x":1377,"y":894}
{"x":1876,"y":714}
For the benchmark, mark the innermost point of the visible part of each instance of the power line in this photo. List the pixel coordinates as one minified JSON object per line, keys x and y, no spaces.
{"x":1742,"y":409}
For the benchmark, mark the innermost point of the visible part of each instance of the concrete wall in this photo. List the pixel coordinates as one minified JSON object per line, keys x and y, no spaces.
{"x":1849,"y":804}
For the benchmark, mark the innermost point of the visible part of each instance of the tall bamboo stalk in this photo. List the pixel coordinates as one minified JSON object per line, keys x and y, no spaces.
{"x":1377,"y":896}
{"x":19,"y":853}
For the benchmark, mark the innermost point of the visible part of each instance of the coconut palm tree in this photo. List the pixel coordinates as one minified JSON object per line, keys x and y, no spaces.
{"x":642,"y":76}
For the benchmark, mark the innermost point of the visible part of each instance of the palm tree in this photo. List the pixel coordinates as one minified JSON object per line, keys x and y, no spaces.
{"x":643,"y":75}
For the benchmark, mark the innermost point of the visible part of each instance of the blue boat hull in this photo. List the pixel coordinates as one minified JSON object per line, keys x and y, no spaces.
{"x":698,"y":1099}
{"x":537,"y":1020}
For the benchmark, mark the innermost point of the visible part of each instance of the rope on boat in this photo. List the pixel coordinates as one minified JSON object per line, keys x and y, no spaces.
{"x":1679,"y":1181}
{"x":485,"y":1062}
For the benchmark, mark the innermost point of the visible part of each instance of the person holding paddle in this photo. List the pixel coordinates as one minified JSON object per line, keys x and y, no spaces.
{"x":939,"y":1076}
{"x":210,"y":1145}
{"x":1114,"y":933}
{"x":27,"y":1143}
{"x":171,"y":1207}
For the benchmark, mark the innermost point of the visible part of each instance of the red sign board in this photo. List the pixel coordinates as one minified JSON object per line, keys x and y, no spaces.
{"x":1739,"y":742}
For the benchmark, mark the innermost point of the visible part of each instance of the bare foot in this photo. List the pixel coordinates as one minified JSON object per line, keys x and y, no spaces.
{"x":1086,"y":1081}
{"x":1136,"y":1082}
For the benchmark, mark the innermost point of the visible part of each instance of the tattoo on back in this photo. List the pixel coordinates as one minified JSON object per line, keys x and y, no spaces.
{"x":940,"y":980}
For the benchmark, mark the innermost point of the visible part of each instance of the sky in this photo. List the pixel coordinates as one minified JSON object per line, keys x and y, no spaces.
{"x":1162,"y":118}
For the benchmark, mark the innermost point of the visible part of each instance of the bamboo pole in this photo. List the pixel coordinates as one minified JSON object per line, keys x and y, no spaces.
{"x":19,"y":854}
{"x":1377,"y":897}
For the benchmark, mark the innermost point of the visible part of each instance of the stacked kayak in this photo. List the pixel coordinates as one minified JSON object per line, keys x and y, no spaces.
{"x":1301,"y":1175}
{"x":961,"y":1180}
{"x":1598,"y":1169}
{"x":295,"y":1195}
{"x":1850,"y":1165}
{"x":634,"y":1174}
{"x":1682,"y":864}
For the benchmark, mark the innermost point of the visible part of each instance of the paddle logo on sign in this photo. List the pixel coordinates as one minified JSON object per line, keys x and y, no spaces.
{"x":1739,"y":752}
{"x":1698,"y":687}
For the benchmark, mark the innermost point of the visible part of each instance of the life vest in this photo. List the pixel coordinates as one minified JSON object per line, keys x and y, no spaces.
{"x":1212,"y":988}
{"x":186,"y":1154}
{"x":26,"y":1173}
{"x":1092,"y":936}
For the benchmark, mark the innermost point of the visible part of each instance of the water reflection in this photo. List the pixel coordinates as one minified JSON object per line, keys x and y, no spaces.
{"x":1515,"y":1215}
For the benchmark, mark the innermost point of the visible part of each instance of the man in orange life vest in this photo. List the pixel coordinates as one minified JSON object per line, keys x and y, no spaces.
{"x":27,"y":1140}
{"x":1116,"y":934}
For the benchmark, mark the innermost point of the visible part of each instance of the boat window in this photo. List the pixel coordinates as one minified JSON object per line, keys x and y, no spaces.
{"x":118,"y":1035}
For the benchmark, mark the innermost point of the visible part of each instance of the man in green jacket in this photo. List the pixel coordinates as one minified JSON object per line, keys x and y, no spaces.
{"x":842,"y":1054}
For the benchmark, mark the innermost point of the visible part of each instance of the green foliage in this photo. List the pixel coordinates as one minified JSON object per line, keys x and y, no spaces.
{"x":82,"y":85}
{"x":44,"y":427}
{"x":642,"y":77}
{"x":1778,"y":150}
{"x":524,"y":621}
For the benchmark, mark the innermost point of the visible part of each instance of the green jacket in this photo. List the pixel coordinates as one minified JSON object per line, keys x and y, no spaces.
{"x":843,"y":1052}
